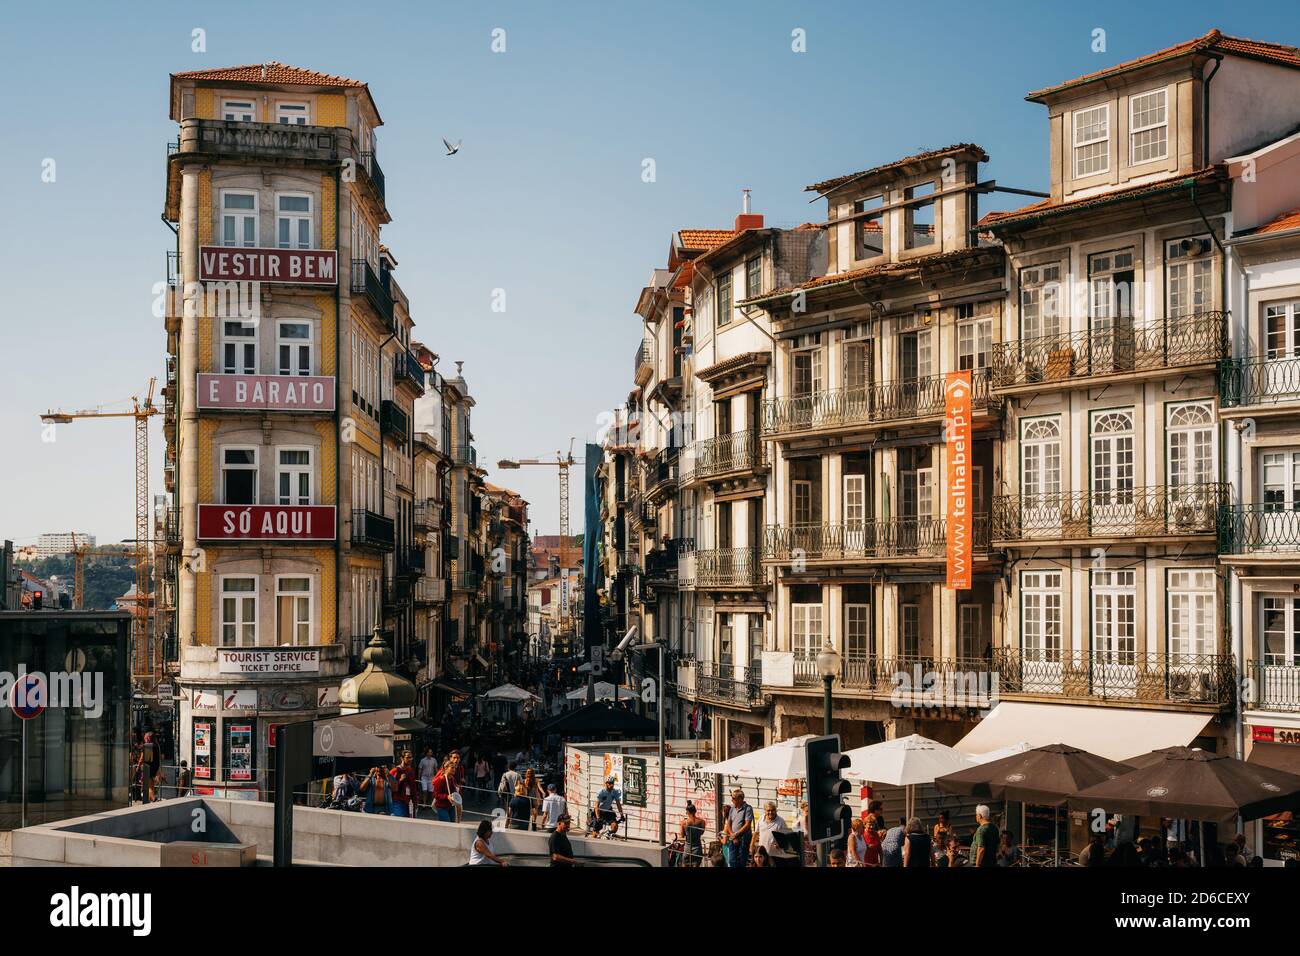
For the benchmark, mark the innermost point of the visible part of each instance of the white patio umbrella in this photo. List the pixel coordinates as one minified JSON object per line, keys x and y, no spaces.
{"x":510,"y":692}
{"x":1008,"y":751}
{"x":604,"y":691}
{"x":904,"y":762}
{"x":780,"y":761}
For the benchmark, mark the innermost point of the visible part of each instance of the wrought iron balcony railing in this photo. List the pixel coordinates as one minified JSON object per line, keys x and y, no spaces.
{"x":727,"y":682}
{"x":392,"y":420}
{"x":1259,"y":529}
{"x":466,"y":580}
{"x":428,"y":515}
{"x":407,"y":369}
{"x":1257,"y":381}
{"x":373,"y":287}
{"x":1148,"y":511}
{"x":629,"y":561}
{"x":641,"y":361}
{"x":1273,"y":686}
{"x":661,"y":473}
{"x":466,"y":455}
{"x":874,"y":538}
{"x":877,"y":404}
{"x":1165,"y":343}
{"x":729,"y":568}
{"x":370,"y":530}
{"x":1159,"y":677}
{"x":739,"y":451}
{"x":370,"y":166}
{"x":430,"y":591}
{"x":238,"y":138}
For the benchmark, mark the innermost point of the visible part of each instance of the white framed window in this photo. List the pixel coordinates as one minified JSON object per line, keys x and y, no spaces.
{"x":293,"y":220}
{"x":1112,"y":456}
{"x":1279,"y":632}
{"x":857,"y":633}
{"x":1040,"y":616}
{"x":1189,"y":432}
{"x":293,"y":476}
{"x":855,"y":499}
{"x":805,"y":631}
{"x":856,"y":354}
{"x":238,"y":348}
{"x":807,"y":366}
{"x":1040,"y":301}
{"x":239,"y":475}
{"x":726,"y":641}
{"x":1281,"y":332}
{"x":238,"y":218}
{"x":293,"y":114}
{"x":1148,"y":126}
{"x":1092,"y":141}
{"x":910,"y":629}
{"x":1191,"y":608}
{"x":238,"y":611}
{"x":1280,"y":480}
{"x":1110,"y":290}
{"x":239,"y":111}
{"x":970,"y":631}
{"x":724,"y":299}
{"x":1189,"y":276}
{"x":974,"y":338}
{"x":801,"y":501}
{"x":293,"y":347}
{"x":1114,"y":617}
{"x":292,"y":610}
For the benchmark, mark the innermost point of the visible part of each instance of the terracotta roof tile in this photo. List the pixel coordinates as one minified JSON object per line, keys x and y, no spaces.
{"x":704,"y":238}
{"x":828,"y":184}
{"x":1288,"y":220}
{"x":272,"y":71}
{"x":1048,"y":206}
{"x":1214,"y":41}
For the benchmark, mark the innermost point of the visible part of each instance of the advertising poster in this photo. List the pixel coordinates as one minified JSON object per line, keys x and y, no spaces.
{"x":202,"y":750}
{"x":241,"y":752}
{"x":634,"y":781}
{"x":957,"y":415}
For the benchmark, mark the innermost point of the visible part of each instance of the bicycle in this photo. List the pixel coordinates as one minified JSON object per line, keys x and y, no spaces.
{"x":607,"y":829}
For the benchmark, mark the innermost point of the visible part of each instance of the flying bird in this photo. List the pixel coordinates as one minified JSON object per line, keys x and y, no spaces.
{"x":451,"y":150}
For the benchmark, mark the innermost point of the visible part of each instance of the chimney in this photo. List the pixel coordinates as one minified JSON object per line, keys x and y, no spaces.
{"x":746,"y":219}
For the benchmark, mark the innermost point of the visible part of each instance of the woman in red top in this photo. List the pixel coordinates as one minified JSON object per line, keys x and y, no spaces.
{"x":871,"y":832}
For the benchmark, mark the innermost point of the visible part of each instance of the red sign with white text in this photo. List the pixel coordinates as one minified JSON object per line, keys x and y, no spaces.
{"x":299,"y":266}
{"x":266,"y":393}
{"x":266,"y":522}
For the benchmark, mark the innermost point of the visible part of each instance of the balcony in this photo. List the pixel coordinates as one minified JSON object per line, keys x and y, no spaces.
{"x":1067,"y":360}
{"x":729,"y":568}
{"x":729,"y":684}
{"x":1272,"y":687}
{"x":887,"y":403}
{"x":641,"y":364}
{"x":1150,"y":512}
{"x":740,"y":451}
{"x":1261,"y":386}
{"x":466,"y":455}
{"x":396,"y":593}
{"x":430,"y":591}
{"x":1268,"y":530}
{"x":415,"y":563}
{"x":370,"y":530}
{"x":661,"y":564}
{"x":428,"y":515}
{"x":466,"y":580}
{"x":408,"y":370}
{"x":661,"y":474}
{"x":374,"y":289}
{"x":392,"y":420}
{"x":261,"y":141}
{"x":372,"y":175}
{"x":884,"y":539}
{"x":1195,"y":681}
{"x":629,"y":562}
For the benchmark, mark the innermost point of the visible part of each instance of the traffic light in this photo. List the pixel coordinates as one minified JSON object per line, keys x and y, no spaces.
{"x":828,"y":816}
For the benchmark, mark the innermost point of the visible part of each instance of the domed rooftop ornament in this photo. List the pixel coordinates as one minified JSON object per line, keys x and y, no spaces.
{"x":377,"y":687}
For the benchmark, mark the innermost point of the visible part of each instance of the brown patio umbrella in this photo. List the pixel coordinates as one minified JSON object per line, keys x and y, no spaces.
{"x":1195,"y":785}
{"x":1045,"y":775}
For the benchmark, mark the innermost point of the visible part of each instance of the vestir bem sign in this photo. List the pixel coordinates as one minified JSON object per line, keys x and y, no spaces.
{"x":266,"y":522}
{"x":303,"y":266}
{"x":274,"y":393}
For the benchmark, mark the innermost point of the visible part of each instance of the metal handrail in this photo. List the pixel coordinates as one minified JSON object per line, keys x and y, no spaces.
{"x":1272,"y":687}
{"x":738,"y":451}
{"x":371,"y":165}
{"x":1254,"y":528}
{"x":878,"y":403}
{"x":728,"y":567}
{"x":373,"y":287}
{"x":1141,"y":511}
{"x":718,"y":681}
{"x":872,"y":538}
{"x":1259,"y":381}
{"x":1167,"y":342}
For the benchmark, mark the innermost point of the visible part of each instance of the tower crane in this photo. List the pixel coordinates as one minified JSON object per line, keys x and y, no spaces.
{"x":79,"y":553}
{"x":142,"y":665}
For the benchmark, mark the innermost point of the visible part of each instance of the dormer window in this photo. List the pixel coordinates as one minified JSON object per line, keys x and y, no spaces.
{"x":1148,"y":127}
{"x":1091,"y":141}
{"x":919,"y":216}
{"x":292,"y":114}
{"x":238,"y":111}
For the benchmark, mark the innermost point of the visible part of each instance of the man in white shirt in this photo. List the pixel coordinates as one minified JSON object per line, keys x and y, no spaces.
{"x":553,"y":807}
{"x":770,"y":824}
{"x":428,"y":767}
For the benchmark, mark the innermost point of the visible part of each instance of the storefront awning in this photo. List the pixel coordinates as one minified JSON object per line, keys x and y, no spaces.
{"x":1276,"y":756}
{"x":1112,"y":732}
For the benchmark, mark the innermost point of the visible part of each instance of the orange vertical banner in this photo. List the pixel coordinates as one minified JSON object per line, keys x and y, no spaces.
{"x":956,"y":426}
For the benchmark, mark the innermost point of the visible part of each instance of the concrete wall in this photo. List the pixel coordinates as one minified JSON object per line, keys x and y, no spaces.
{"x":133,"y":837}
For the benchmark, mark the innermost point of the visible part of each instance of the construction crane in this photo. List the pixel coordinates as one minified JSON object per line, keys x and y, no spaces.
{"x":79,"y":554}
{"x":563,"y":463}
{"x":143,"y":666}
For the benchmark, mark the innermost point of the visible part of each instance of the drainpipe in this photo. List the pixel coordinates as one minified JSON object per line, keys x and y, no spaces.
{"x":1205,"y":108}
{"x":338,"y":410}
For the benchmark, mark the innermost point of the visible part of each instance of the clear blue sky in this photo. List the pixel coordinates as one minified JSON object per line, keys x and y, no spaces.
{"x":545,"y":200}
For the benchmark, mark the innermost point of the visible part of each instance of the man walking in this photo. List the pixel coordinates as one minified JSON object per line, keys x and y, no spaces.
{"x":428,"y":767}
{"x":506,"y":787}
{"x":738,"y":832}
{"x":560,"y":847}
{"x":984,"y":845}
{"x":554,"y":806}
{"x":404,"y":786}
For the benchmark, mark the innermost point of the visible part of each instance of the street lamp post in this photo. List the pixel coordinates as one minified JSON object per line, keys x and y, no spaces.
{"x":828,"y":665}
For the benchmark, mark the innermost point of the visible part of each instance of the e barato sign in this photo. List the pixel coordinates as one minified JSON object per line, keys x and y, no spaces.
{"x":299,"y":266}
{"x":266,"y":393}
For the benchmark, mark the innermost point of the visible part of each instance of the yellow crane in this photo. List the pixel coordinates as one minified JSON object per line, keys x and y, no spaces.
{"x":79,"y":554}
{"x":563,"y":463}
{"x":142,"y":665}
